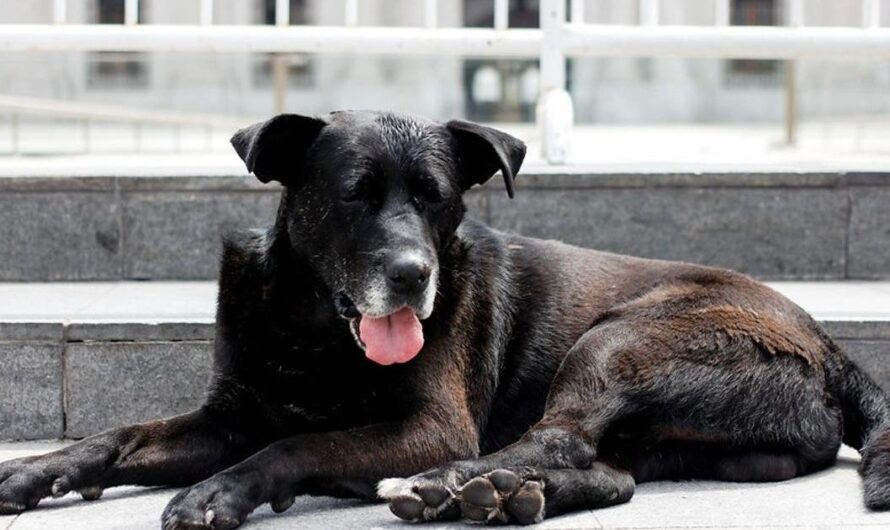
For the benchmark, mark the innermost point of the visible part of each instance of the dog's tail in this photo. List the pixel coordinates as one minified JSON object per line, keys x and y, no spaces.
{"x":866,"y":413}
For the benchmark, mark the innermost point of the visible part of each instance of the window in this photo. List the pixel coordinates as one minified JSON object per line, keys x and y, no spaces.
{"x":503,"y":90}
{"x":116,"y":70}
{"x":298,"y":66}
{"x":749,"y":72}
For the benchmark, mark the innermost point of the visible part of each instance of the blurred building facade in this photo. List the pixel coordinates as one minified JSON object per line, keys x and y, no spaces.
{"x":604,"y":90}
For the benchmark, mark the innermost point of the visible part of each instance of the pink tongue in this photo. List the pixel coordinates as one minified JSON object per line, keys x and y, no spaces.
{"x":396,"y":338}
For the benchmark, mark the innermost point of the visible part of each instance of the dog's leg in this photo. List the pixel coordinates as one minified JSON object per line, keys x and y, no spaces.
{"x":523,"y":495}
{"x":175,"y":451}
{"x":537,"y":457}
{"x":275,"y":474}
{"x":552,"y":464}
{"x":759,"y":417}
{"x":442,"y":429}
{"x":767,"y":466}
{"x":580,"y":408}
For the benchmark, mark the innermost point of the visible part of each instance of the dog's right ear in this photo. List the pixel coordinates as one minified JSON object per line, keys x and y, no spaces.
{"x":275,"y":149}
{"x":484,"y":151}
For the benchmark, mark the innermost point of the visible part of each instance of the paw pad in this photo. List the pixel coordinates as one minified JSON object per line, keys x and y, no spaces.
{"x":91,"y":493}
{"x":282,"y":504}
{"x":417,"y":499}
{"x":527,"y":505}
{"x":407,"y":508}
{"x":502,"y":496}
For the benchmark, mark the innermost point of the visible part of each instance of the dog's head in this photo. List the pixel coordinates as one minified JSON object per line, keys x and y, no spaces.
{"x":371,"y":201}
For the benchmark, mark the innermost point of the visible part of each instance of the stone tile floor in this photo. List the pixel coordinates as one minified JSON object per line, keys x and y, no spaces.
{"x":830,"y":499}
{"x":196,"y":301}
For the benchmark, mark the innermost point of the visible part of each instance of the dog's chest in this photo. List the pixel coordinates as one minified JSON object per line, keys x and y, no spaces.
{"x":329,"y":383}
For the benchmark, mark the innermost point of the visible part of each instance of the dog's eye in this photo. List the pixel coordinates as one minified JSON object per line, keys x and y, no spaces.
{"x":351,"y":196}
{"x":355,"y":192}
{"x":429,"y":190}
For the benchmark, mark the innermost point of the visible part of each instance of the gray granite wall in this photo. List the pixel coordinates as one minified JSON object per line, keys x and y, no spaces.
{"x":81,"y":379}
{"x":774,"y":226}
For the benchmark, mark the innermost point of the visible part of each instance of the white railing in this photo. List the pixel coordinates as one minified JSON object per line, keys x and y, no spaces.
{"x":86,"y":113}
{"x":559,"y":37}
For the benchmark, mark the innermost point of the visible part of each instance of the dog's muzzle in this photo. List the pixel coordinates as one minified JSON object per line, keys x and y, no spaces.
{"x":386,"y":320}
{"x":344,"y":306}
{"x":408,"y":275}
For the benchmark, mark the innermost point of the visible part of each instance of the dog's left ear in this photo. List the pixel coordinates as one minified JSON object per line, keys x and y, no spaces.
{"x":484,"y":150}
{"x":275,"y":149}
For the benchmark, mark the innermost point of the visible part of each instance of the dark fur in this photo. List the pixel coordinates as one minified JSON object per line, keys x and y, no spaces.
{"x":574,"y":373}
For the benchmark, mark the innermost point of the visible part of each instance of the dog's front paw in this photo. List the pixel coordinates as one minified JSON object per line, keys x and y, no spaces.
{"x":22,"y":484}
{"x":425,"y":497}
{"x":219,"y":503}
{"x":502,"y":496}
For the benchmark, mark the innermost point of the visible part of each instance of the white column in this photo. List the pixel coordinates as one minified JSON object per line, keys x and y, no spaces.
{"x":648,"y":12}
{"x":131,"y":12}
{"x":721,"y":13}
{"x":60,"y":11}
{"x":350,"y":13}
{"x":795,"y":20}
{"x":576,"y":12}
{"x":282,"y":12}
{"x":206,"y":17}
{"x":431,"y":13}
{"x":871,"y":13}
{"x":555,"y":114}
{"x":795,"y":13}
{"x":501,"y":14}
{"x":279,"y":61}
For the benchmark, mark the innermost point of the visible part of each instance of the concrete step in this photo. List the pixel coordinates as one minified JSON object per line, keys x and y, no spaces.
{"x":828,"y":499}
{"x":779,"y":225}
{"x":79,"y":358}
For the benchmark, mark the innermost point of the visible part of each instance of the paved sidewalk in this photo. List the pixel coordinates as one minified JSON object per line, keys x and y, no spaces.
{"x":154,"y":302}
{"x":830,"y":499}
{"x":196,"y":301}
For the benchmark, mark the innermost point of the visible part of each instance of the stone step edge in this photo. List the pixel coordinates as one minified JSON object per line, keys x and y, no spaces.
{"x":130,"y":331}
{"x":203,"y":330}
{"x":534,"y":177}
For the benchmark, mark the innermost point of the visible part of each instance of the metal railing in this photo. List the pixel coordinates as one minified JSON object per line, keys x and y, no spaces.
{"x":559,"y":37}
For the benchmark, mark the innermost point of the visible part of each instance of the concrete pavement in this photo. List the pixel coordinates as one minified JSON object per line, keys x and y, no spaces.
{"x":830,"y":499}
{"x":195,"y":302}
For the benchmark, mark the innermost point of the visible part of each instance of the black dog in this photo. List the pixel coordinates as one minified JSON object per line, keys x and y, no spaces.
{"x":373,"y":333}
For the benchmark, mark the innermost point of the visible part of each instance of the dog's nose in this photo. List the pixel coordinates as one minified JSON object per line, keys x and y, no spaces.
{"x":407,"y":274}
